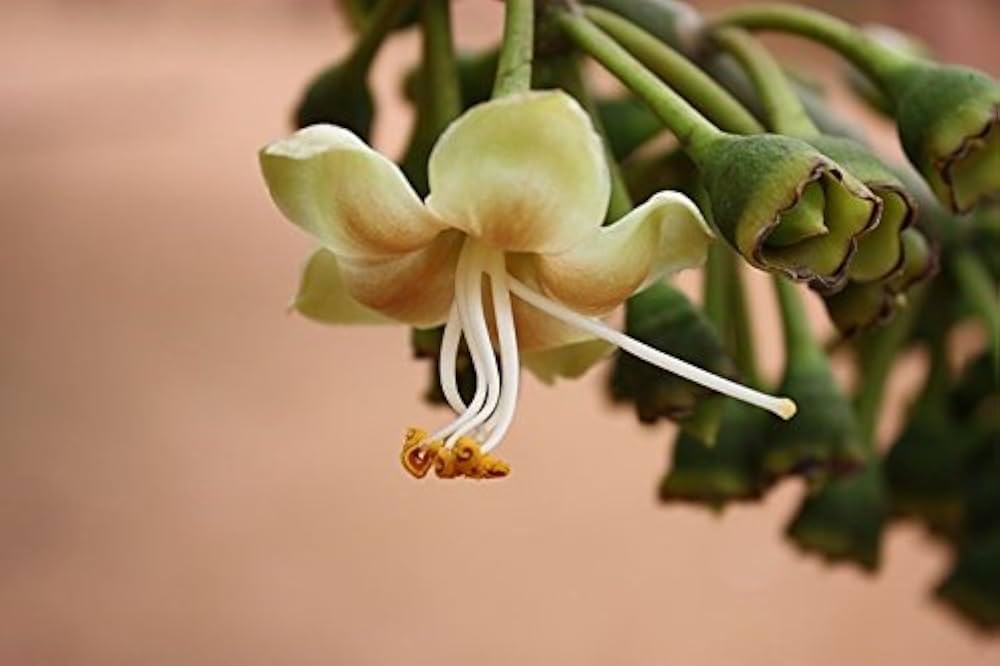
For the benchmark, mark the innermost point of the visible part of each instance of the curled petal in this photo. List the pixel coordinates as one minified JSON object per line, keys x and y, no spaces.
{"x":524,"y":173}
{"x":323,"y":296}
{"x":416,"y":288}
{"x":350,"y":198}
{"x":664,"y":235}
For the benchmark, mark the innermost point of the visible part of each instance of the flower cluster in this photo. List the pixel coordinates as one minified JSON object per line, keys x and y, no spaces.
{"x":507,"y":236}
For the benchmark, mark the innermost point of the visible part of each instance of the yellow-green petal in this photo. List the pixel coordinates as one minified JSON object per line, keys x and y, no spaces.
{"x":525,"y":173}
{"x":324,"y":297}
{"x":664,"y":235}
{"x":567,"y":362}
{"x":353,"y":200}
{"x":415,"y":288}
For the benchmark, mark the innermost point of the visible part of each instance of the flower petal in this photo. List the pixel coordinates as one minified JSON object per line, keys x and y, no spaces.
{"x":664,"y":235}
{"x":524,"y":173}
{"x":324,"y":297}
{"x":569,"y":361}
{"x":416,"y":288}
{"x":352,"y":199}
{"x":535,"y":329}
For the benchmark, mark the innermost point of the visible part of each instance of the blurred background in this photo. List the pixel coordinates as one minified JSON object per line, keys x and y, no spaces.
{"x":190,"y":476}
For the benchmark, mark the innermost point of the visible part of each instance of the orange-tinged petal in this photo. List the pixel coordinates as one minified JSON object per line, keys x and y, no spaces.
{"x":664,"y":235}
{"x":524,"y":173}
{"x":353,"y":200}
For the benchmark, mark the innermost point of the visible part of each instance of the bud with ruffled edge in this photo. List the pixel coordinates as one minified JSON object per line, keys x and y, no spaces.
{"x":782,"y":204}
{"x":824,"y":440}
{"x":948,"y":117}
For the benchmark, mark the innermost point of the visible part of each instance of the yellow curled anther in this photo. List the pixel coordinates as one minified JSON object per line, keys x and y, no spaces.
{"x":417,"y":458}
{"x":467,"y":457}
{"x":444,"y":466}
{"x":493,"y":468}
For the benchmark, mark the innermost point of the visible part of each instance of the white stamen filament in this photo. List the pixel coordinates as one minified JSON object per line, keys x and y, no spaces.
{"x":446,"y":360}
{"x":477,"y":336}
{"x":468,"y":284}
{"x":510,"y":364}
{"x":782,"y":407}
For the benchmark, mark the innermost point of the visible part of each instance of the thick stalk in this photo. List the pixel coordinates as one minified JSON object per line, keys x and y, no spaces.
{"x":514,"y":66}
{"x":980,"y":292}
{"x":875,"y":359}
{"x":678,"y":72}
{"x":744,"y":350}
{"x":691,"y":128}
{"x":383,"y":19}
{"x":800,"y":345}
{"x":441,"y":99}
{"x":782,"y":106}
{"x":715,"y":290}
{"x":875,"y":60}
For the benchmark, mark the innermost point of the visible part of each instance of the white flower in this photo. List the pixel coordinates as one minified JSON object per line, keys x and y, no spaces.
{"x":508,"y":250}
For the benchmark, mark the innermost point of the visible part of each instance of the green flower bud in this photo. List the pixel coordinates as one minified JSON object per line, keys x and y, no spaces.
{"x":339,"y":95}
{"x":924,"y":470}
{"x":862,"y":305}
{"x":972,"y":587}
{"x":663,"y":317}
{"x":823,"y":438}
{"x":728,"y":470}
{"x":843,"y":520}
{"x":785,"y":207}
{"x":948,"y":119}
{"x":426,"y":345}
{"x":981,"y":482}
{"x":880,"y":251}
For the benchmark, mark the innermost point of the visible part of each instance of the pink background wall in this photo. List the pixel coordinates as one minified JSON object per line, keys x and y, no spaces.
{"x":188,"y":476}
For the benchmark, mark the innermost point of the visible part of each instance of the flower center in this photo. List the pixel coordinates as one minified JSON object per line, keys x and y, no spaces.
{"x":463,"y":447}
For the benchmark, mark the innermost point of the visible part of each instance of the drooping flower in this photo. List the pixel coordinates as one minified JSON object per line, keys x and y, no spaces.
{"x":507,"y":250}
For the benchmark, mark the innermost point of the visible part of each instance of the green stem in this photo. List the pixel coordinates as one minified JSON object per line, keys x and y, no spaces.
{"x":866,"y":54}
{"x":514,"y":67}
{"x":715,"y":289}
{"x":567,"y":75}
{"x":383,"y":19}
{"x":784,"y":109}
{"x":980,"y":291}
{"x":678,"y":72}
{"x":441,"y":98}
{"x":690,"y":127}
{"x":744,"y":349}
{"x":875,"y":359}
{"x":800,"y":345}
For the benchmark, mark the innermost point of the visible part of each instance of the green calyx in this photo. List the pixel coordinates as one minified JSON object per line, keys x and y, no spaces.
{"x":663,"y":317}
{"x":843,"y":520}
{"x":923,"y":470}
{"x":880,"y":251}
{"x":726,"y":471}
{"x":972,"y":587}
{"x":949,"y":124}
{"x":785,"y":207}
{"x":859,"y":306}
